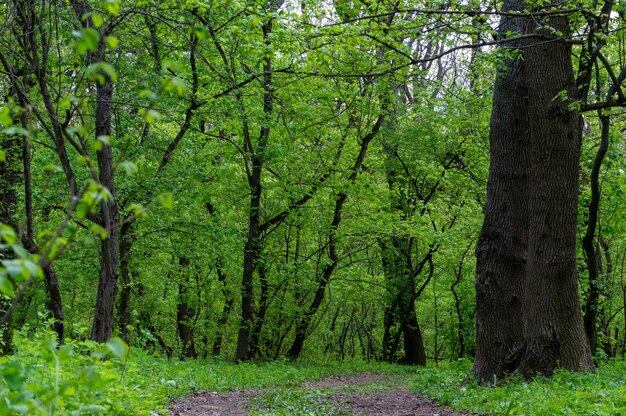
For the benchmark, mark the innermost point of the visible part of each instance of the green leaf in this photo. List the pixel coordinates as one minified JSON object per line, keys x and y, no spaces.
{"x":33,"y":269}
{"x":82,"y":209}
{"x":149,"y":94}
{"x":14,"y":375}
{"x":165,"y":200}
{"x":96,"y":19}
{"x":136,"y":209}
{"x":117,"y":347}
{"x":20,"y":251}
{"x":97,"y":145}
{"x":201,"y":32}
{"x":99,"y":71}
{"x":86,"y":40}
{"x":99,"y":231}
{"x":6,"y":287}
{"x":112,"y":6}
{"x":150,"y":115}
{"x":129,"y":167}
{"x":175,"y":84}
{"x":7,"y":234}
{"x":112,"y":41}
{"x":14,"y":268}
{"x":13,"y":131}
{"x":5,"y":116}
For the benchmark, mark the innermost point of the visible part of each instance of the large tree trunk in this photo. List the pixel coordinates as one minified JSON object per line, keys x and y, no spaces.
{"x":501,"y":250}
{"x":555,"y":335}
{"x":414,"y":352}
{"x":528,"y":311}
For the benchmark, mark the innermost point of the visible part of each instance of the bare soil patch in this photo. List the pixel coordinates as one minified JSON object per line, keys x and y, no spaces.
{"x":343,"y":380}
{"x":393,"y":402}
{"x":209,"y":403}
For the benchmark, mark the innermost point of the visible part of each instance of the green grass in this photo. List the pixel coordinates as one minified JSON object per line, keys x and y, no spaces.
{"x":293,"y":401}
{"x":315,"y":402}
{"x":566,"y":393}
{"x":84,"y":378}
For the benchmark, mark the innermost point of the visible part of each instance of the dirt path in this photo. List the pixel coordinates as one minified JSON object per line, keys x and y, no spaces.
{"x":360,"y":394}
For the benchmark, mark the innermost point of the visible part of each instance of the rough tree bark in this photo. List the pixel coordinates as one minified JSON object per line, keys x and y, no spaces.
{"x":555,"y":337}
{"x":528,"y":311}
{"x":109,"y":212}
{"x":501,"y":250}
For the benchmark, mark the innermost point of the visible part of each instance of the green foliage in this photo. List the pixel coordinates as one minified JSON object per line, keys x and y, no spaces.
{"x":22,"y":268}
{"x":565,"y":393}
{"x":85,"y":378}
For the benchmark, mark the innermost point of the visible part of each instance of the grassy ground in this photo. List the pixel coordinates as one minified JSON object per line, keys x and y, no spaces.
{"x":599,"y":393}
{"x":318,"y":401}
{"x":89,"y":379}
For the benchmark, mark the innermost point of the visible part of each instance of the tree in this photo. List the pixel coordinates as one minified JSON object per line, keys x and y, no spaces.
{"x":528,"y":310}
{"x":502,"y":246}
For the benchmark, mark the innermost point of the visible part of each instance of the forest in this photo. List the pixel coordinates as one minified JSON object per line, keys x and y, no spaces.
{"x":219,"y":196}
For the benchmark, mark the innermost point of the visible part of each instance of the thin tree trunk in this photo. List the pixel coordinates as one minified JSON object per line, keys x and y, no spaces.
{"x":124,"y":310}
{"x":302,"y":327}
{"x":252,"y":247}
{"x":608,"y":347}
{"x":54,"y":303}
{"x":255,"y":337}
{"x":10,"y":177}
{"x":108,"y":217}
{"x":184,"y":318}
{"x":457,"y":302}
{"x":229,"y":301}
{"x":593,"y":293}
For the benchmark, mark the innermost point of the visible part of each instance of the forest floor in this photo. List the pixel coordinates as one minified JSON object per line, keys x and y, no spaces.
{"x":359,"y":394}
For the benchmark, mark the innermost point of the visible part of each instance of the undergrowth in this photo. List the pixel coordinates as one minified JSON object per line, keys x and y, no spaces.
{"x":85,"y":378}
{"x":565,"y":393}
